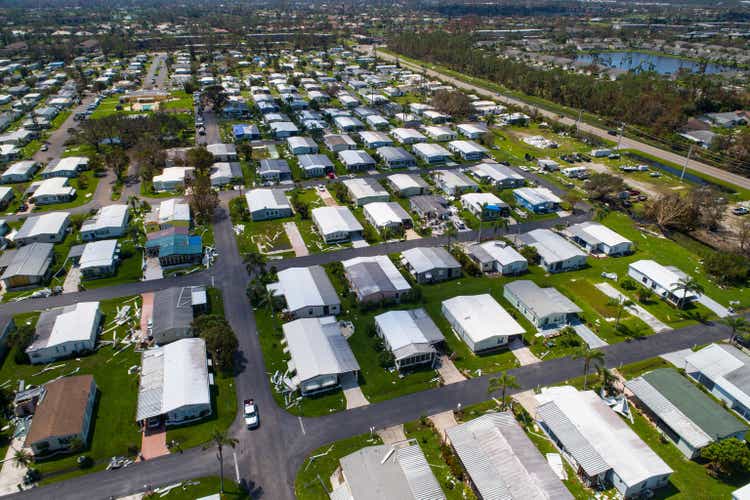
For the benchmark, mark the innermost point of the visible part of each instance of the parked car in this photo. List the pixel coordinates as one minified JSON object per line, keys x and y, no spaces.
{"x":741,"y":211}
{"x":252,"y":418}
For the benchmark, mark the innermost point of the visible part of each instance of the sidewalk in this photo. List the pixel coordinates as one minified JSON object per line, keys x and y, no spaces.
{"x":11,"y":475}
{"x":443,"y":421}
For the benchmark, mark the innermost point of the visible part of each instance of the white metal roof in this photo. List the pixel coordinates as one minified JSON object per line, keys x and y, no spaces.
{"x":111,"y":216}
{"x":305,"y":287}
{"x":173,"y":376}
{"x":663,"y":276}
{"x":537,"y":195}
{"x":481,"y":317}
{"x":379,"y":472}
{"x":259,"y":199}
{"x":68,"y":164}
{"x":173,"y":210}
{"x":335,"y":219}
{"x":603,"y":431}
{"x":594,"y":233}
{"x":385,"y":213}
{"x":75,"y":324}
{"x":502,"y":461}
{"x":364,"y":188}
{"x":495,"y":171}
{"x":424,"y":259}
{"x":172,"y":174}
{"x":551,"y":246}
{"x":404,"y":134}
{"x":478,"y":200}
{"x":405,"y":328}
{"x":98,"y":254}
{"x":388,"y":274}
{"x":500,"y":252}
{"x":726,"y":366}
{"x":430,"y":149}
{"x":466,"y":147}
{"x":541,"y":301}
{"x":406,"y":181}
{"x":49,"y":223}
{"x":318,"y":347}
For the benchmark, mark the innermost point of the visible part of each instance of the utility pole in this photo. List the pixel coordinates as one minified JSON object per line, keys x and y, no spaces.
{"x":619,"y":140}
{"x":687,"y":160}
{"x":578,"y":121}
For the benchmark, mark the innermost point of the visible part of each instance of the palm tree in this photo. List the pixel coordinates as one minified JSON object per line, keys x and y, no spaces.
{"x":221,"y":439}
{"x":737,"y":324}
{"x":255,"y":262}
{"x":607,"y":377}
{"x":22,"y":457}
{"x":620,"y":304}
{"x":502,"y":383}
{"x":589,"y":356}
{"x":686,"y":285}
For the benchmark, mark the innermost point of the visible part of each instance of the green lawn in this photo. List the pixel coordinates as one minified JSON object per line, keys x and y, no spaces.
{"x":270,"y":335}
{"x":429,"y":442}
{"x":179,"y":100}
{"x":206,"y":486}
{"x":60,"y":119}
{"x":224,"y":404}
{"x":128,"y":271}
{"x":114,"y":429}
{"x":307,"y":485}
{"x":85,"y":185}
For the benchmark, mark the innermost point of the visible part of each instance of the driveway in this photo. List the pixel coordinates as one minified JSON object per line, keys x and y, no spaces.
{"x":153,"y":269}
{"x":522,"y":353}
{"x":448,"y":371}
{"x":295,"y":238}
{"x":154,"y":443}
{"x":147,"y":310}
{"x":717,"y":308}
{"x":652,"y":321}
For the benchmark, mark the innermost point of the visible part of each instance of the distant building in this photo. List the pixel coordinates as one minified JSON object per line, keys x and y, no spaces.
{"x":498,"y":175}
{"x":663,"y":280}
{"x":406,"y":185}
{"x":46,"y":228}
{"x":537,"y":200}
{"x":365,"y":190}
{"x":336,"y":224}
{"x":27,"y":266}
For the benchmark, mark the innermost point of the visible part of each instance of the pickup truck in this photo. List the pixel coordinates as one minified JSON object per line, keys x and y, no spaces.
{"x":252,"y":419}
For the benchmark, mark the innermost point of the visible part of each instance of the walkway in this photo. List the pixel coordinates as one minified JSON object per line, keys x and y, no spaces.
{"x":326,"y":196}
{"x":295,"y":238}
{"x":639,"y":312}
{"x":147,"y":310}
{"x":72,"y":280}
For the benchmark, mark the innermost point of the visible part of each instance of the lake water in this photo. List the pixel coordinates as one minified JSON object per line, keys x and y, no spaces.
{"x":638,"y":60}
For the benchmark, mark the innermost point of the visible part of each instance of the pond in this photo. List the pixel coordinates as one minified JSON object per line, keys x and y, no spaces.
{"x":662,"y":64}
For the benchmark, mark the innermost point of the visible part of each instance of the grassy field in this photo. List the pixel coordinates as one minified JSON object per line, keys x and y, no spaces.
{"x":114,"y":430}
{"x":313,"y":478}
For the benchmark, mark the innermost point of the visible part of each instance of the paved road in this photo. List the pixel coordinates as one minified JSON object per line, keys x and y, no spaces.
{"x":158,"y":71}
{"x":669,"y":156}
{"x":56,"y":140}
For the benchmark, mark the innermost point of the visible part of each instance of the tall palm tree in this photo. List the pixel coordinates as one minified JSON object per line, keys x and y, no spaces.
{"x":22,"y":457}
{"x":221,"y":439}
{"x":589,"y":356}
{"x":503,"y":382}
{"x":620,"y":304}
{"x":737,"y":324}
{"x":686,"y":285}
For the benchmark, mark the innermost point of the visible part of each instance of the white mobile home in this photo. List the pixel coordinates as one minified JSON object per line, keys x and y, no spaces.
{"x":481,"y":322}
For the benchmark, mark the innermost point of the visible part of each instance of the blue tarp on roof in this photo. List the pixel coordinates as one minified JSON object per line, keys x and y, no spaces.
{"x":177,"y":244}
